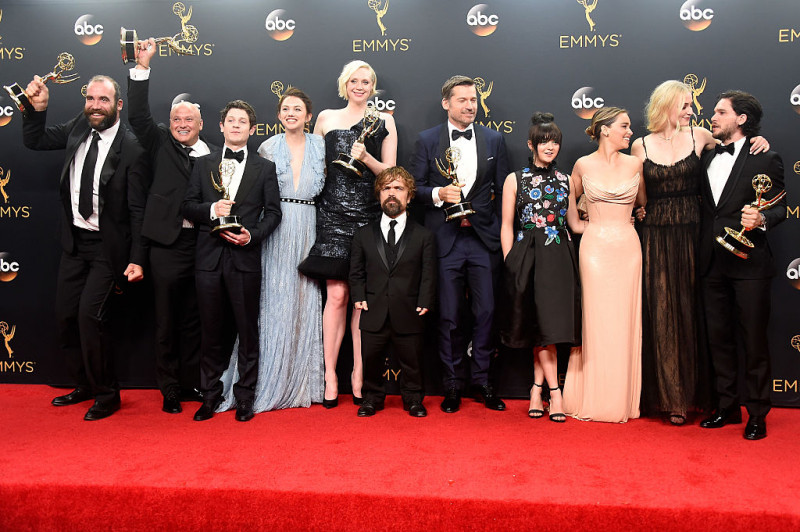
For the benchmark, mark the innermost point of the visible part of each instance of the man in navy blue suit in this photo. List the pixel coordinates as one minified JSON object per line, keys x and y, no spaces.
{"x":469,"y":247}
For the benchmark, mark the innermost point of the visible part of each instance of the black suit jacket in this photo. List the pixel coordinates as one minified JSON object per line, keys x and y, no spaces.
{"x":170,"y":164}
{"x":485,"y":194}
{"x":257,"y":203}
{"x":737,"y":193}
{"x":398,"y":291}
{"x":123,"y":187}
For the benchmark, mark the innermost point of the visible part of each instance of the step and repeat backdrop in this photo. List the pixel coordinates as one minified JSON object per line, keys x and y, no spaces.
{"x":568,"y":57}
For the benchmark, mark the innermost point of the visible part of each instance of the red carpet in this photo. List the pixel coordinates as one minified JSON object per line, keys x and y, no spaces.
{"x":330,"y":470}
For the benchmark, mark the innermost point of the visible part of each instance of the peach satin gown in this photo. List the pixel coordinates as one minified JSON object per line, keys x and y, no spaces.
{"x":604,"y":378}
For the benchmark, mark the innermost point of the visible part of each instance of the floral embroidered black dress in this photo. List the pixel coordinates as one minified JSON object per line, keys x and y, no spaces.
{"x":541,"y":304}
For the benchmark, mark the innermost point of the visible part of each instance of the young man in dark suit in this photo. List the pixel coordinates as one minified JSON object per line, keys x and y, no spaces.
{"x":468,"y":248}
{"x":736,"y":290}
{"x":228,"y":263}
{"x":102,"y":188}
{"x":392,"y":282}
{"x":169,"y":237}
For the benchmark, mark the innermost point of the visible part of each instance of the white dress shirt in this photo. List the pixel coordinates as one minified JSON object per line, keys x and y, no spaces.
{"x":76,"y":170}
{"x":719,"y":170}
{"x":236,"y":180}
{"x":398,"y":229}
{"x":467,"y":169}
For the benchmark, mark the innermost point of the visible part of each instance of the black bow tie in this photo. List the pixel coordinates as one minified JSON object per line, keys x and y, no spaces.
{"x":719,"y":148}
{"x":466,"y":134}
{"x":230,"y":154}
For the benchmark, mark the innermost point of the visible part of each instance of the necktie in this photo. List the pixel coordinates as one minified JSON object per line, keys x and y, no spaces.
{"x":238,"y":155}
{"x":188,"y":150}
{"x":466,"y":134}
{"x":391,"y":238}
{"x":87,"y":178}
{"x":719,"y":148}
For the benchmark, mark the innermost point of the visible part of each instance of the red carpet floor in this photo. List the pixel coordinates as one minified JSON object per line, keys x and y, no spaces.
{"x":314,"y":469}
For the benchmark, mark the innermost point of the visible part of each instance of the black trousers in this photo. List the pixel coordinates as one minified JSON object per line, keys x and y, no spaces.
{"x":85,"y":288}
{"x":177,"y":346}
{"x":407,"y":350}
{"x":737,"y":310}
{"x":228,"y":300}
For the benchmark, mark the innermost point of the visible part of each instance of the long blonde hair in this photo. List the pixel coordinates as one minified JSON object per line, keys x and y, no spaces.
{"x":664,"y":98}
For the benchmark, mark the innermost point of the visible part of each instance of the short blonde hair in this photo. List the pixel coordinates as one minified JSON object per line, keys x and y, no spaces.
{"x":348,"y":71}
{"x":663,"y":99}
{"x":605,"y":116}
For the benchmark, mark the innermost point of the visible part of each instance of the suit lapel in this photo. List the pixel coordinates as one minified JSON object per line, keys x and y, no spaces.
{"x":736,"y":173}
{"x":248,"y":180}
{"x":77,"y":137}
{"x":480,"y":144}
{"x":444,"y":143}
{"x":401,"y":246}
{"x":378,"y":238}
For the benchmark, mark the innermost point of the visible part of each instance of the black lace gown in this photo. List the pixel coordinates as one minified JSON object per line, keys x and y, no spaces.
{"x":345,"y":204}
{"x":671,"y":365}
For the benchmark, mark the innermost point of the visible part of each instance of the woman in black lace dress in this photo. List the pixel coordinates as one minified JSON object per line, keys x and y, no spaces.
{"x":674,"y":376}
{"x":542,"y":306}
{"x":345,"y":204}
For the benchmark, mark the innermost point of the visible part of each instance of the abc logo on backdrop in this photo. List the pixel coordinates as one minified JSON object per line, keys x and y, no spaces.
{"x":794,"y":99}
{"x":279,"y":26}
{"x":481,"y":21}
{"x":87,"y":30}
{"x":6,"y":112}
{"x":585,"y":102}
{"x":9,"y":268}
{"x":793,"y":273}
{"x":696,"y":15}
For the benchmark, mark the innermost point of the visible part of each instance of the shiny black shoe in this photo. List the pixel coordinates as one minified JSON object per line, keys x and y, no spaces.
{"x":756,"y":428}
{"x":330,"y":403}
{"x":206,"y":410}
{"x":416,"y":409}
{"x":485,"y":395}
{"x":171,"y":403}
{"x":78,"y":395}
{"x":722,"y":417}
{"x":244,"y":412}
{"x":368,"y":409}
{"x":101,"y":410}
{"x":192,"y":394}
{"x":452,"y":401}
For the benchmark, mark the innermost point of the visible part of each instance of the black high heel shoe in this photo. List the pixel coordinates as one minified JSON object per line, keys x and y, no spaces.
{"x":330,"y":403}
{"x":535,"y":413}
{"x":557,"y":417}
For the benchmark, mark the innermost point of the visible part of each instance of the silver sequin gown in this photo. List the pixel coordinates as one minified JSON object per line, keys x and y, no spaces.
{"x":290,"y":366}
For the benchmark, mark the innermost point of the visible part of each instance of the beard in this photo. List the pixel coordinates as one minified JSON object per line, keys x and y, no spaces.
{"x":391,"y":207}
{"x":108,"y":120}
{"x":723,"y":134}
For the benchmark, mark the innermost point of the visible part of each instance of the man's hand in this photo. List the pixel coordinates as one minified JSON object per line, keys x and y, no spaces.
{"x":38,"y":93}
{"x":238,"y":239}
{"x":361,"y":305}
{"x":223,"y":207}
{"x":134,"y":273}
{"x":147,"y":49}
{"x":751,"y":218}
{"x":422,"y":311}
{"x":450,"y":193}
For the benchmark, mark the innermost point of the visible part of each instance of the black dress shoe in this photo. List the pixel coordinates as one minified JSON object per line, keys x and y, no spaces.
{"x":452,"y":401}
{"x":368,"y":409}
{"x":101,"y":411}
{"x":78,"y":395}
{"x":244,"y":412}
{"x":171,"y":403}
{"x":756,"y":428}
{"x":485,"y":395}
{"x":192,"y":394}
{"x":722,"y":417}
{"x":416,"y":409}
{"x":206,"y":410}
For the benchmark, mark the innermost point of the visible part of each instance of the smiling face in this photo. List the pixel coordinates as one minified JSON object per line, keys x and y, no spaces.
{"x":462,"y":105}
{"x":185,"y":123}
{"x":293,"y":114}
{"x":681,"y":113}
{"x":236,"y":128}
{"x":725,"y":122}
{"x":359,"y":86}
{"x":618,"y":133}
{"x":545,"y":152}
{"x":101,"y":109}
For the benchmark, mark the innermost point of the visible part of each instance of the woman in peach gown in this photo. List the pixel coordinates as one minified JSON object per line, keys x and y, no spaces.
{"x":604,"y":378}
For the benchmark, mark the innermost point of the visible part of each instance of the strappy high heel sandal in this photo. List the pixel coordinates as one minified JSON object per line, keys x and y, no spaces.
{"x":557,"y":417}
{"x":535,"y":413}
